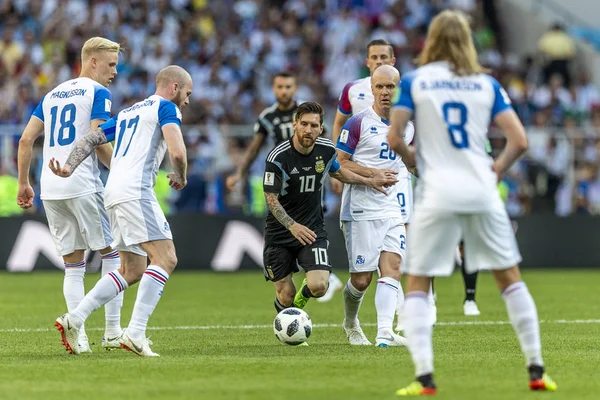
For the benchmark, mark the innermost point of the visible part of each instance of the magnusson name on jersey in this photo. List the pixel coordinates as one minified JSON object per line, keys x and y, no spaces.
{"x":65,"y":94}
{"x":146,"y":103}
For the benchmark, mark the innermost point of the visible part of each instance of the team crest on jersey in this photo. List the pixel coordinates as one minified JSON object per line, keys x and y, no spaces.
{"x":360,"y":260}
{"x":270,"y":271}
{"x":319,"y":165}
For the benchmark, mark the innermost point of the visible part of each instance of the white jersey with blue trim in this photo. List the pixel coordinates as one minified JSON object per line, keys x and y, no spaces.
{"x":452,"y":115}
{"x":67,"y":111}
{"x":139,"y":148}
{"x":364,"y":137}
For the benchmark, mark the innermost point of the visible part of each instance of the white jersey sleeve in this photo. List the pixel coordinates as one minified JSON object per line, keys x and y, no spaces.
{"x":452,"y":114}
{"x":67,"y":112}
{"x":139,"y":149}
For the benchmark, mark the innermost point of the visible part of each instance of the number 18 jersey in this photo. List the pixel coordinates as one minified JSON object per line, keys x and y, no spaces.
{"x":452,"y":115}
{"x":66,"y":112}
{"x":139,"y":149}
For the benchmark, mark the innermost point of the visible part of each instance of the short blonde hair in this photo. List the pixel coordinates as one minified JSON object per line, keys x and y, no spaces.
{"x":449,"y":39}
{"x":98,"y":44}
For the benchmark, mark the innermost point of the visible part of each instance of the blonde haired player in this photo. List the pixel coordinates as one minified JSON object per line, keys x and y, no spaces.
{"x":75,"y":206}
{"x":454,"y":102}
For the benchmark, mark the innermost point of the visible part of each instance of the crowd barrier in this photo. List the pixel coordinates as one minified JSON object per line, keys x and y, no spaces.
{"x":222,"y":243}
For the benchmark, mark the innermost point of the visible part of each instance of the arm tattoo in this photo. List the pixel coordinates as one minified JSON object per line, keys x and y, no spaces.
{"x":413,"y":170}
{"x":180,"y":167}
{"x":84,"y":147}
{"x":278,"y":211}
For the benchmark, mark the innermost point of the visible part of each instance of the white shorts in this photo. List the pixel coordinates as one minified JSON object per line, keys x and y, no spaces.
{"x":365,"y":240}
{"x":138,"y":221}
{"x":489,"y":241}
{"x":80,"y":223}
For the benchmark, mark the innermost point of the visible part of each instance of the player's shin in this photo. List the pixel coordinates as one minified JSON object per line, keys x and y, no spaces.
{"x":418,"y":332}
{"x":112,"y":309}
{"x":524,"y":319}
{"x":352,"y":300}
{"x":73,"y":288}
{"x":386,"y":299}
{"x":149,"y":293}
{"x":107,"y":288}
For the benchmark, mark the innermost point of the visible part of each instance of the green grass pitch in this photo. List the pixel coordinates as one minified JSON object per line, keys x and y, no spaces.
{"x":213,"y":332}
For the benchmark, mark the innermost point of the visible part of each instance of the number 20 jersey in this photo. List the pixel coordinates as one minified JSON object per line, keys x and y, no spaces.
{"x":452,"y":115}
{"x":364,"y":137}
{"x":138,"y":150}
{"x":66,"y":112}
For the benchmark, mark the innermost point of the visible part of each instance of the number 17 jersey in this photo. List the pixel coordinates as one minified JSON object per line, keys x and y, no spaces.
{"x":66,"y":112}
{"x":138,"y":150}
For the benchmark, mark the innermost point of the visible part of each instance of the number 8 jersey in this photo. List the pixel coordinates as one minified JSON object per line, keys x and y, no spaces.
{"x":139,"y":149}
{"x":452,"y":115}
{"x":66,"y":112}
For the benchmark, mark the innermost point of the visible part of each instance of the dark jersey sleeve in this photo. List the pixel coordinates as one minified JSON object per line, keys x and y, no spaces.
{"x":259,"y":128}
{"x":272,"y":178}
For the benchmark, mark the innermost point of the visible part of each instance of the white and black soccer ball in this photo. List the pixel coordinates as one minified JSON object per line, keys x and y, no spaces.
{"x":292,"y":326}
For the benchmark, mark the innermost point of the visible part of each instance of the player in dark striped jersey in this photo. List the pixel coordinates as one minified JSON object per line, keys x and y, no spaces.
{"x":276,"y":123}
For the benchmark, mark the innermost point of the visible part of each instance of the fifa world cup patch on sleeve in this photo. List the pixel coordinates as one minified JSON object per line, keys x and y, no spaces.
{"x":269,"y":178}
{"x":344,"y":135}
{"x":107,"y":105}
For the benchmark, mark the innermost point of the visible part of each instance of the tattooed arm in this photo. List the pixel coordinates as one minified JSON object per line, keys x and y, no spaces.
{"x":83,"y":148}
{"x":277,"y":210}
{"x":300,"y":232}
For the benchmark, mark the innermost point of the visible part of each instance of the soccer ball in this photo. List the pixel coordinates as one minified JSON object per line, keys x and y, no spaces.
{"x":292,"y":326}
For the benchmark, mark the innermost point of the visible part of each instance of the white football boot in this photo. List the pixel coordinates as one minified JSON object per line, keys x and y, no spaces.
{"x":141,"y":347}
{"x":69,"y":333}
{"x":110,"y":343}
{"x":389,"y":339}
{"x":470,"y":308}
{"x":355,"y":335}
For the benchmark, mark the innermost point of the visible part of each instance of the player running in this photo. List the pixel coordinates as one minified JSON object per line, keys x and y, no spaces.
{"x":454,"y":102}
{"x":295,"y":229}
{"x":276,"y":122}
{"x":373,"y":223}
{"x":75,"y":206}
{"x":143,"y":133}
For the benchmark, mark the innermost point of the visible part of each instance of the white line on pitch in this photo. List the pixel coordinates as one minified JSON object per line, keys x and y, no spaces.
{"x":211,"y":327}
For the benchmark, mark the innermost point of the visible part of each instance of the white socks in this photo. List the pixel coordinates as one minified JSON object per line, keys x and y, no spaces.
{"x":386,"y":300}
{"x":109,"y":286}
{"x":352,"y":301}
{"x":149,"y":292}
{"x":399,"y":301}
{"x":112,"y":310}
{"x":73,"y":288}
{"x":418,"y":332}
{"x":524,"y":319}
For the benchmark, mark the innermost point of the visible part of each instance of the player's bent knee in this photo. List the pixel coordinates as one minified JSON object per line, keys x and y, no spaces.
{"x":318,"y":289}
{"x":361,"y":281}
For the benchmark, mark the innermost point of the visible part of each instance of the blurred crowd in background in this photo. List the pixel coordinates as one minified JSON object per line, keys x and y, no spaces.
{"x":233,"y":47}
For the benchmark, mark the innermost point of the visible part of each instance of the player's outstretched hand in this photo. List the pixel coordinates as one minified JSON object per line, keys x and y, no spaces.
{"x":232,"y":181}
{"x":303,"y":234}
{"x":384,"y":178}
{"x":176,"y":182}
{"x":25,"y":196}
{"x":64,"y":171}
